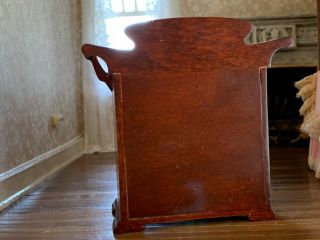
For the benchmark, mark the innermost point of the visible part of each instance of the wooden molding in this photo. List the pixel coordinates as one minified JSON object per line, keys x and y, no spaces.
{"x":303,"y":31}
{"x":20,"y":180}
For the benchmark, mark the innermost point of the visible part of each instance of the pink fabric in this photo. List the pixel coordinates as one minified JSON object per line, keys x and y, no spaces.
{"x":314,"y":147}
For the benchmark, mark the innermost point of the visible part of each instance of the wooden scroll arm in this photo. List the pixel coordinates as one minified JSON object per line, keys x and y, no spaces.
{"x":91,"y":53}
{"x":272,"y":46}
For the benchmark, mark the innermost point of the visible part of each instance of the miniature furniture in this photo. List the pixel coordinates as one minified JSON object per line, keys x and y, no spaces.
{"x":191,"y":121}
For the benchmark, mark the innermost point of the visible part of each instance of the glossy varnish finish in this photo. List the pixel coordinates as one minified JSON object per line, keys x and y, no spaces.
{"x":191,"y":121}
{"x":75,"y":204}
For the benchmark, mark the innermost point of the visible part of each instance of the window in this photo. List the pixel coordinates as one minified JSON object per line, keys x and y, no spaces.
{"x":127,"y":12}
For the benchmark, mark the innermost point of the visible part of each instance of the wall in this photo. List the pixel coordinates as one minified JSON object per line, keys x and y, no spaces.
{"x":248,"y":8}
{"x":40,"y":74}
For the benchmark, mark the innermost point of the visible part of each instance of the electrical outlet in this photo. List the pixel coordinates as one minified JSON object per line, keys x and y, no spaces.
{"x":56,"y":119}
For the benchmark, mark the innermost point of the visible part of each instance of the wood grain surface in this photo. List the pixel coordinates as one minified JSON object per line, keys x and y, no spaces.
{"x":191,"y":119}
{"x":75,"y":204}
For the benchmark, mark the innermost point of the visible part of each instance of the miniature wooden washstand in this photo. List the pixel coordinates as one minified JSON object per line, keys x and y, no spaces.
{"x":191,"y":121}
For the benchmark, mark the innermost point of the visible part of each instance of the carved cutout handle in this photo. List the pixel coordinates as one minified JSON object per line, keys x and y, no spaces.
{"x":92,"y":55}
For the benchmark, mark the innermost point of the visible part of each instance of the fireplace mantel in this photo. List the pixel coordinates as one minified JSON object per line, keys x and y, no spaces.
{"x":303,"y":30}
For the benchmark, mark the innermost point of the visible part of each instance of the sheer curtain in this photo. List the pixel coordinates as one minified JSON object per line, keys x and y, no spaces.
{"x":98,"y":104}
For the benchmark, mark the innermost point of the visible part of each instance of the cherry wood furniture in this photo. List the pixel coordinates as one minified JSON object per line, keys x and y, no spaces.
{"x":191,"y":121}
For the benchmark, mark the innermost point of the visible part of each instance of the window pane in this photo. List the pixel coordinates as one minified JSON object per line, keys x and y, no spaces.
{"x":129,"y":5}
{"x":142,"y":5}
{"x":116,"y":6}
{"x":115,"y":31}
{"x":150,"y":4}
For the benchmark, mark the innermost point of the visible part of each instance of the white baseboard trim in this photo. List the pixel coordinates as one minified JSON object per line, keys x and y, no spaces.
{"x":17,"y":182}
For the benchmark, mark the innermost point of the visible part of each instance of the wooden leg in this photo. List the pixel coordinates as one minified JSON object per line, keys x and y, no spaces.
{"x":123,"y":226}
{"x":114,"y":208}
{"x":260,"y":215}
{"x":126,"y":227}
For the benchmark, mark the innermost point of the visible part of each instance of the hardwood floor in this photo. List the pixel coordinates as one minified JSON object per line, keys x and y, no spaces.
{"x":76,"y":204}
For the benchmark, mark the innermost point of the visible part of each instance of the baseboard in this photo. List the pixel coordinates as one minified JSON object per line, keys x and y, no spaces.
{"x":17,"y":182}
